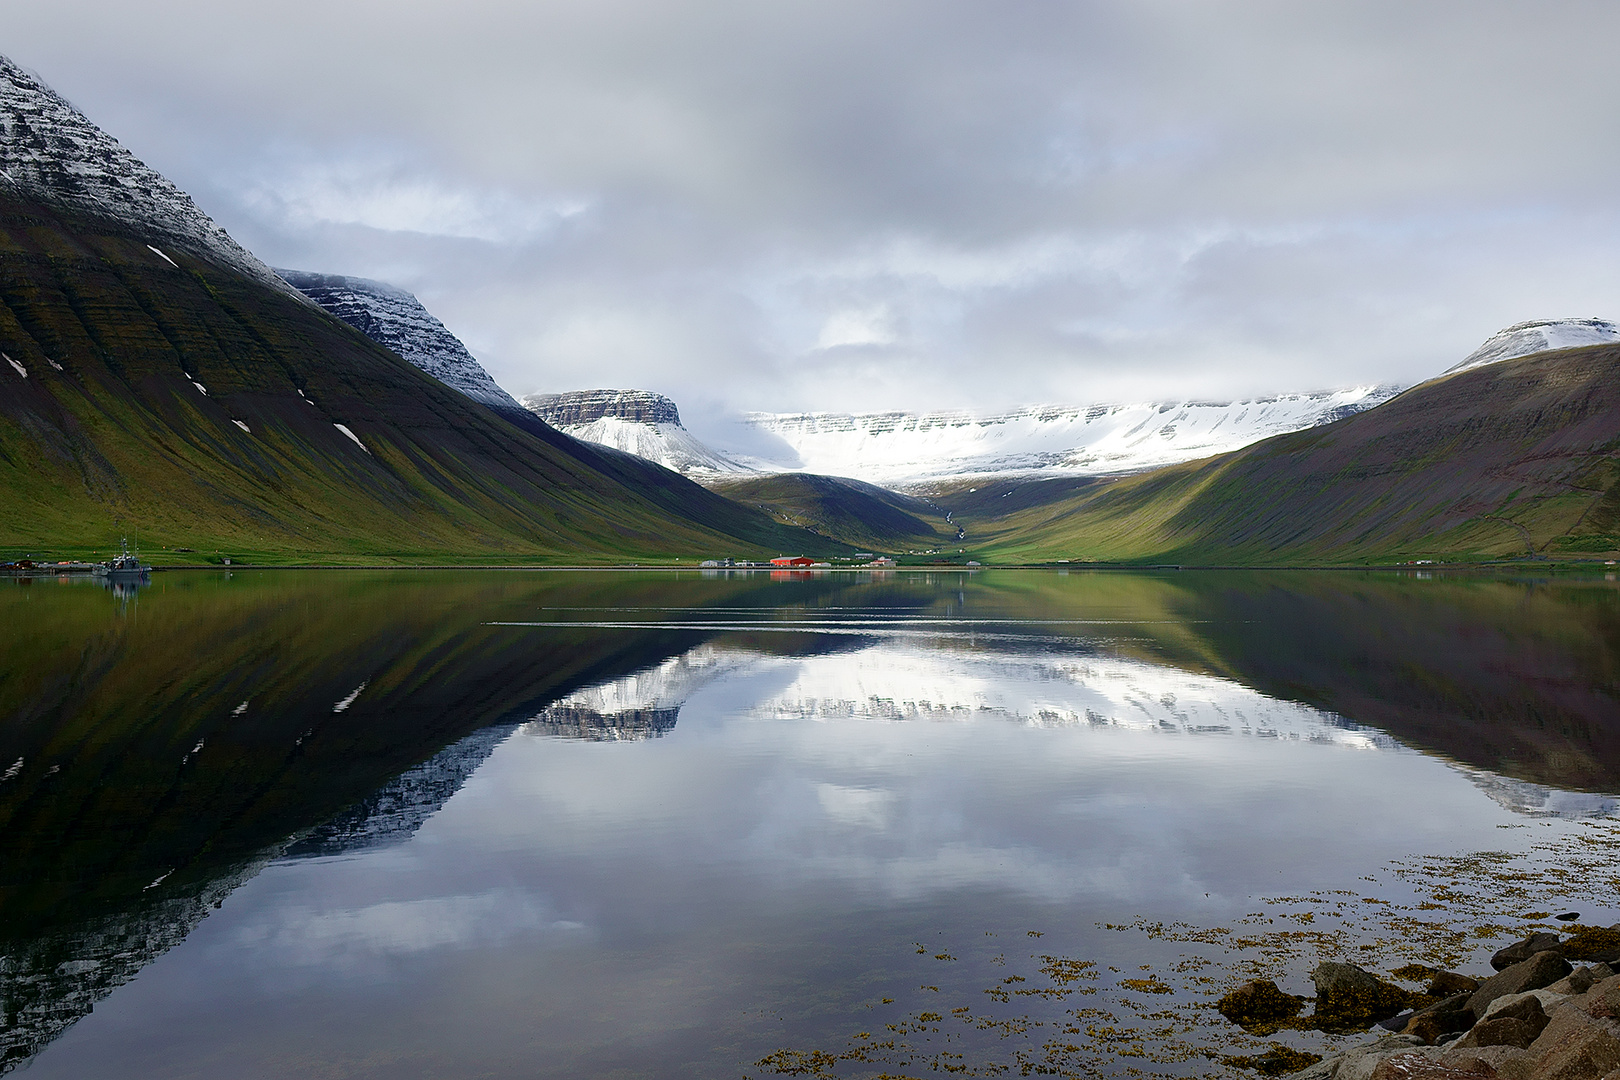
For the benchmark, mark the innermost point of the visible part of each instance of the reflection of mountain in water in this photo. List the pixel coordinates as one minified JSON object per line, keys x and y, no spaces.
{"x":899,"y":682}
{"x":645,"y":705}
{"x":1536,"y":800}
{"x":890,"y":683}
{"x":48,"y":983}
{"x":393,"y":813}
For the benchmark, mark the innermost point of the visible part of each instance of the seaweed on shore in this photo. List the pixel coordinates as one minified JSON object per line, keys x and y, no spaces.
{"x":1055,"y":1015}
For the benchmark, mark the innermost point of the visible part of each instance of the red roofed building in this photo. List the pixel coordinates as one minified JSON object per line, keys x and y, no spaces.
{"x":792,"y":560}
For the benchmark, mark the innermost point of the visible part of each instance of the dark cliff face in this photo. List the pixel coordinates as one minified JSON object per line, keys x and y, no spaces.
{"x":580,"y":407}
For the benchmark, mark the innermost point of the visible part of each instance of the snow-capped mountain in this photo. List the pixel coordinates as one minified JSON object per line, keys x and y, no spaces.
{"x":636,"y":421}
{"x":899,"y":449}
{"x":397,"y":320}
{"x":50,"y":152}
{"x":1522,"y":339}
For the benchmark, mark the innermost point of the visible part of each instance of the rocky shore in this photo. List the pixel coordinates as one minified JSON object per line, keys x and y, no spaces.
{"x":1539,"y":1017}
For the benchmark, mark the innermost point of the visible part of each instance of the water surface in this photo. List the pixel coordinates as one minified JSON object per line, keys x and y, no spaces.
{"x":618,"y":824}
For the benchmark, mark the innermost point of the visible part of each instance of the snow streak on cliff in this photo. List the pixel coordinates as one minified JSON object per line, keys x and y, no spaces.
{"x":397,"y":320}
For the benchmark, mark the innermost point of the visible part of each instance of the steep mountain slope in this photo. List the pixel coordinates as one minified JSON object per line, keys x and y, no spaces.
{"x":398,"y":321}
{"x":914,"y":451}
{"x":186,"y":394}
{"x":1516,"y":457}
{"x":637,"y":422}
{"x":861,"y":514}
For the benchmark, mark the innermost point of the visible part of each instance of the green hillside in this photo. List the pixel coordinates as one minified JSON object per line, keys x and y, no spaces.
{"x":108,"y":432}
{"x":848,"y":510}
{"x":1515,"y":459}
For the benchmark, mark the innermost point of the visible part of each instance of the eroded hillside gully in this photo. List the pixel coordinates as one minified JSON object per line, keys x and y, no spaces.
{"x":1009,"y":823}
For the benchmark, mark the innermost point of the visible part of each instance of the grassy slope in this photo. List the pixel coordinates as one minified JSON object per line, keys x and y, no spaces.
{"x":848,"y":510}
{"x":1518,"y":458}
{"x":108,"y":435}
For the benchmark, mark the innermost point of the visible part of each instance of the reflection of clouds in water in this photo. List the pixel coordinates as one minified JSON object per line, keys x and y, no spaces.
{"x":302,"y":936}
{"x":855,"y":806}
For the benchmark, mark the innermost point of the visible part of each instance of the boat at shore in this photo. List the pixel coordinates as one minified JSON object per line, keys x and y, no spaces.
{"x":125,"y":566}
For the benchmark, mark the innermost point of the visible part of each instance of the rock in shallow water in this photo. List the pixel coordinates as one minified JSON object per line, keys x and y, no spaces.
{"x":1259,"y":1003}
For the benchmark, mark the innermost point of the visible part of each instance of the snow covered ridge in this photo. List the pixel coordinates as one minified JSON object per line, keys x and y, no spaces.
{"x":52,"y":153}
{"x":638,"y":422}
{"x":1522,"y":339}
{"x":397,"y":320}
{"x":900,"y":449}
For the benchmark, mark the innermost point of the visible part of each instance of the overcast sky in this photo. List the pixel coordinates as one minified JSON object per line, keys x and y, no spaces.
{"x":874,"y":205}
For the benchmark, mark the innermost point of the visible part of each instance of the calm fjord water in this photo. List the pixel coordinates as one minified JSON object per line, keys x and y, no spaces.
{"x":620,"y":824}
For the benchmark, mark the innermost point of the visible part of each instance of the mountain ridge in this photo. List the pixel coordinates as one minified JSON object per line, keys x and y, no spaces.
{"x":1516,"y":458}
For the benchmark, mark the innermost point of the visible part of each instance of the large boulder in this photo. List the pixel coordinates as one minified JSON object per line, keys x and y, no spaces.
{"x":1520,"y":951}
{"x":1259,"y":1004}
{"x":1542,"y":969}
{"x":1441,"y":1018}
{"x":1446,"y":983}
{"x":1347,"y":996}
{"x":1514,"y":1024}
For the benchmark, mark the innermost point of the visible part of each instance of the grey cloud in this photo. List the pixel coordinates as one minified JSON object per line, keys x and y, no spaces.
{"x":909,"y":204}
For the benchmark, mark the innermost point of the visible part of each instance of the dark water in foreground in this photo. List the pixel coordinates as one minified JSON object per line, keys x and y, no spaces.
{"x":614,"y":824}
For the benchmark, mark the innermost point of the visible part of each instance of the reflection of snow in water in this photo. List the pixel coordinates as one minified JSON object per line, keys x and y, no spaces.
{"x":897,"y":682}
{"x":639,"y":706}
{"x":1535,"y":800}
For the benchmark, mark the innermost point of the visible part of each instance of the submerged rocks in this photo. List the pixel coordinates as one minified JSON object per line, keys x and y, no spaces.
{"x":1594,"y":943}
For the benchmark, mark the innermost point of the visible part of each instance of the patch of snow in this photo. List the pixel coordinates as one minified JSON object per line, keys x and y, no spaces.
{"x":396,"y":320}
{"x":162,"y":256}
{"x":200,"y":387}
{"x":240,"y":709}
{"x":20,"y":369}
{"x":353,"y":436}
{"x":241,"y":425}
{"x":346,"y":702}
{"x":16,"y":767}
{"x":1545,"y":335}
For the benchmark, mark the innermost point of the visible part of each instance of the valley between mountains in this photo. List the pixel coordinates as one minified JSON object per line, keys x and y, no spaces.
{"x":158,"y":381}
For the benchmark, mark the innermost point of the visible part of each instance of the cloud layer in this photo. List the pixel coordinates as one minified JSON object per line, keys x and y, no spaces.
{"x":902,"y":205}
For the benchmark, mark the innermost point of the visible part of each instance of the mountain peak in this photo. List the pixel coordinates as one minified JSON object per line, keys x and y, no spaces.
{"x":1539,"y":335}
{"x":51,"y":153}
